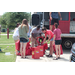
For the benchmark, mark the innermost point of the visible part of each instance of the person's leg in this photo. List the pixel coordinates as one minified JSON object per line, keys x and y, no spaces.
{"x":59,"y":50}
{"x":52,"y":23}
{"x":51,"y":47}
{"x":56,"y":47}
{"x":21,"y":44}
{"x":24,"y":49}
{"x":32,"y":41}
{"x":36,"y":44}
{"x":51,"y":26}
{"x":57,"y":21}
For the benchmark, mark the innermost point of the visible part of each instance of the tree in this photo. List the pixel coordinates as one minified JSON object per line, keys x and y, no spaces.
{"x":10,"y":19}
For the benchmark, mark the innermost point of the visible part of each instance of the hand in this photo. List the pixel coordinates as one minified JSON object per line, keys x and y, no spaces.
{"x":60,"y":18}
{"x":46,"y":41}
{"x":53,"y":42}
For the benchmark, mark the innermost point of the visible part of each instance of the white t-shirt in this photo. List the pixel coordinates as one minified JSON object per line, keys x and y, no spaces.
{"x":36,"y":32}
{"x":29,"y":31}
{"x":16,"y":32}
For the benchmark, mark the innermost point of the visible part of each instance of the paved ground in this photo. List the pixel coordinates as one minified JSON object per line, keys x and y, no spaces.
{"x":64,"y":58}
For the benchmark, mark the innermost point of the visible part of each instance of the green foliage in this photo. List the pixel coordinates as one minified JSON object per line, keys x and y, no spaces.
{"x":10,"y":19}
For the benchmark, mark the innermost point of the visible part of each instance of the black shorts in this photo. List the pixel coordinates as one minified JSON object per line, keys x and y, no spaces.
{"x":24,"y":40}
{"x":54,"y":21}
{"x":58,"y":42}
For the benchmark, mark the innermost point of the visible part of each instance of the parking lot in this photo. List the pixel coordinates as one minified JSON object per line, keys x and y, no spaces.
{"x":64,"y":58}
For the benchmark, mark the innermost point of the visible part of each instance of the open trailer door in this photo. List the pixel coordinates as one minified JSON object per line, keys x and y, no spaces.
{"x":46,"y":19}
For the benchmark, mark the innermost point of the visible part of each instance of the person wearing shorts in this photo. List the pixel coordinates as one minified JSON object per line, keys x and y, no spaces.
{"x":54,"y":18}
{"x":57,"y":39}
{"x":36,"y":32}
{"x":23,"y":29}
{"x":50,"y":35}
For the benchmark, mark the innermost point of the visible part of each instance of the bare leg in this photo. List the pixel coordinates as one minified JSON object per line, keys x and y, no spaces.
{"x":21,"y":44}
{"x":24,"y":49}
{"x":59,"y":50}
{"x":51,"y":26}
{"x":33,"y":41}
{"x":56,"y":46}
{"x":51,"y":47}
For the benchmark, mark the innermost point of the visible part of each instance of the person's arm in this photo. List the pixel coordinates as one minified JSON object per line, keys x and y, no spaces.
{"x":44,"y":39}
{"x":33,"y":35}
{"x":48,"y":38}
{"x":54,"y":38}
{"x":60,"y":15}
{"x":28,"y":28}
{"x":50,"y":15}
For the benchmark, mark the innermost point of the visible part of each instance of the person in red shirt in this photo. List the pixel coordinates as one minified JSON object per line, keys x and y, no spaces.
{"x":57,"y":39}
{"x":49,"y":34}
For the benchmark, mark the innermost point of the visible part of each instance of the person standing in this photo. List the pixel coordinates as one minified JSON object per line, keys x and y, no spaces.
{"x":16,"y":33}
{"x":23,"y":29}
{"x":57,"y":39}
{"x":54,"y":18}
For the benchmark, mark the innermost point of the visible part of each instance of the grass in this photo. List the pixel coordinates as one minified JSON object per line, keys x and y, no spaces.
{"x":7,"y":48}
{"x":4,"y":40}
{"x":6,"y":32}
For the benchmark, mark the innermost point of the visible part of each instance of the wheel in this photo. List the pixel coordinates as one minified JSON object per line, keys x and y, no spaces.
{"x":67,"y":43}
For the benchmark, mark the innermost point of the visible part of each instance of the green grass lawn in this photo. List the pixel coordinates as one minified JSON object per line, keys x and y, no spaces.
{"x":4,"y":40}
{"x":7,"y":45}
{"x":6,"y":32}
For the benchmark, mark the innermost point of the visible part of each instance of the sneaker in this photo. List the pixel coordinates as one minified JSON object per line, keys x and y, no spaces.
{"x":55,"y":59}
{"x":49,"y":55}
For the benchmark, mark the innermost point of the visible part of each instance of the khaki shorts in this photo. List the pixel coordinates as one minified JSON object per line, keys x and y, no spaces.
{"x":15,"y":37}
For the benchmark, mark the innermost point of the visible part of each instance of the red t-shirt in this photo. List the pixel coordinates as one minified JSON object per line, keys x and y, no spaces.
{"x":49,"y":32}
{"x":57,"y":32}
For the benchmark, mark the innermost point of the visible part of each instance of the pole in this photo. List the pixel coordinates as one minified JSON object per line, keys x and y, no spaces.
{"x":7,"y":33}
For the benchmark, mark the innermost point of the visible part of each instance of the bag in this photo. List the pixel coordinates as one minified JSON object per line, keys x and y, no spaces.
{"x":28,"y":48}
{"x":28,"y":52}
{"x":45,"y":46}
{"x":17,"y":45}
{"x":55,"y":49}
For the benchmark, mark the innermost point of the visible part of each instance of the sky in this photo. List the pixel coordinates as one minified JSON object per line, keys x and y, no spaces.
{"x":1,"y":13}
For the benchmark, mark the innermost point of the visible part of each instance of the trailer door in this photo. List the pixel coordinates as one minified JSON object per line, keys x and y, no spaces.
{"x":64,"y":24}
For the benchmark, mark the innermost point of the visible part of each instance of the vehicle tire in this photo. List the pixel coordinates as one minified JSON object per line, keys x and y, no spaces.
{"x":67,"y":43}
